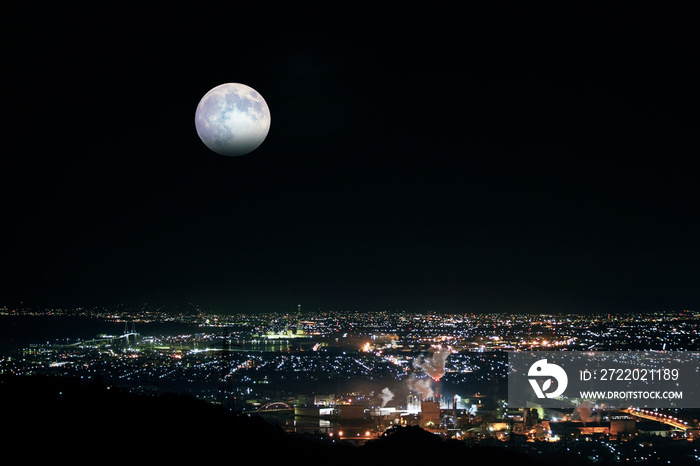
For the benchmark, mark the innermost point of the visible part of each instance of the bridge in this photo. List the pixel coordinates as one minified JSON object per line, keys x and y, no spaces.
{"x":667,"y":419}
{"x":128,"y":335}
{"x":274,"y":407}
{"x":103,"y":340}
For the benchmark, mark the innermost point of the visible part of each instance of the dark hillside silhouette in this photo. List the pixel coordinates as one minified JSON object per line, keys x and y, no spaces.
{"x":56,"y":418}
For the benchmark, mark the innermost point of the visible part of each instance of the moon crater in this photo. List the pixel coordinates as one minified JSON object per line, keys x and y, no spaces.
{"x":232,"y":119}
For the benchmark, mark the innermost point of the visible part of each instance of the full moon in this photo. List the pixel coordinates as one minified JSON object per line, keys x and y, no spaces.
{"x":232,"y":119}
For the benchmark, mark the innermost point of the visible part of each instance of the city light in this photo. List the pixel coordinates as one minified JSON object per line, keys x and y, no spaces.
{"x":354,"y":375}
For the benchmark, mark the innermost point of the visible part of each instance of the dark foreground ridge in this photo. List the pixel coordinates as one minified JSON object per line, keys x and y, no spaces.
{"x":56,"y":418}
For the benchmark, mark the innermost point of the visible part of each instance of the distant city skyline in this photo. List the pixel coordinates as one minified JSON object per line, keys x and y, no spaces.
{"x":354,"y":376}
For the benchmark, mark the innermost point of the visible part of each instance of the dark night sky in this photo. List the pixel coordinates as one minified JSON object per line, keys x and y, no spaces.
{"x":503,"y":156}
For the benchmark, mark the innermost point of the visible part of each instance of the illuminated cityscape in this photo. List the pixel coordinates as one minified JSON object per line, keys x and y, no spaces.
{"x":350,"y":376}
{"x":445,"y":205}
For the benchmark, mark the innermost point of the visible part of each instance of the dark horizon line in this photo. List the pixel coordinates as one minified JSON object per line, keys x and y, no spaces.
{"x":195,"y":307}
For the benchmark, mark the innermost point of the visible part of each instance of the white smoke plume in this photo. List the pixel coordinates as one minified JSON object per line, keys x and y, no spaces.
{"x":433,"y":366}
{"x":584,"y":412}
{"x":422,"y":386}
{"x":387,"y":395}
